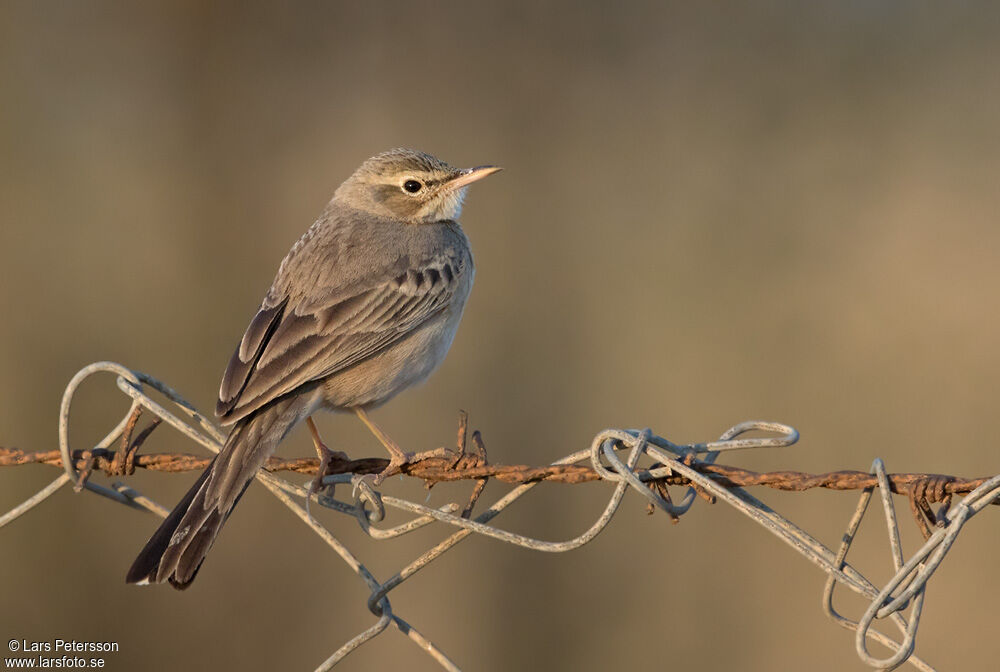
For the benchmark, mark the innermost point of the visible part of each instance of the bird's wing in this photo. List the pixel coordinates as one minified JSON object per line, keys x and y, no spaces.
{"x":291,"y":343}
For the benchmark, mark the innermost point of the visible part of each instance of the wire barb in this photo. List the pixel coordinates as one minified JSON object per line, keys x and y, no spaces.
{"x":667,"y":465}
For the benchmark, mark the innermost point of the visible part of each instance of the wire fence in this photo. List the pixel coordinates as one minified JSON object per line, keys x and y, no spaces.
{"x":613,"y":457}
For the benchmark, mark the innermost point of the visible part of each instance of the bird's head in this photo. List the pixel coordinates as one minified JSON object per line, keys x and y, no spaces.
{"x":409,"y":185}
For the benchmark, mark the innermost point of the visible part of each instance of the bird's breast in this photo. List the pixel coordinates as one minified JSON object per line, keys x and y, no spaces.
{"x":405,"y":363}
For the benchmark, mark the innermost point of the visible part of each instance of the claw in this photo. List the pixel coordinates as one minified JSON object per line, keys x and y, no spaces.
{"x":363,"y":491}
{"x":363,"y":482}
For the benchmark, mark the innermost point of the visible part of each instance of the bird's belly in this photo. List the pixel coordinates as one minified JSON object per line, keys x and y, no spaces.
{"x":410,"y":361}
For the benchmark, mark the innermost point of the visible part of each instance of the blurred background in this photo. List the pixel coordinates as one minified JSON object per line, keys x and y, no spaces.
{"x":709,"y":214}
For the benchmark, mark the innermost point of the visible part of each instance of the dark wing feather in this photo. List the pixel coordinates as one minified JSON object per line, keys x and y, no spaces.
{"x":241,"y":364}
{"x":299,"y":344}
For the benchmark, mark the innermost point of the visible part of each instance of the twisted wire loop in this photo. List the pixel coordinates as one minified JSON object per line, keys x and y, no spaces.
{"x":614,"y":456}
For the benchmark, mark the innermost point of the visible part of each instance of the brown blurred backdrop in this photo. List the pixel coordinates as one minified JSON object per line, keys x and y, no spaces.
{"x":709,"y":214}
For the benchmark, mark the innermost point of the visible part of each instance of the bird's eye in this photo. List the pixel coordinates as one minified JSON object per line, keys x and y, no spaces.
{"x":412,"y":186}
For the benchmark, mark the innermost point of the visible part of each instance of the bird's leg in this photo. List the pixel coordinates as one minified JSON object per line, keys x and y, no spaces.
{"x":398,"y":458}
{"x":325,"y":456}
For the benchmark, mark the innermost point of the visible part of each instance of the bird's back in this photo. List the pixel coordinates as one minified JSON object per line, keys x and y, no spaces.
{"x":352,"y":286}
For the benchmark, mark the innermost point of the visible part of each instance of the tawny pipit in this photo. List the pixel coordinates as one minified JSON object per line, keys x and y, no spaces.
{"x":364,"y":305}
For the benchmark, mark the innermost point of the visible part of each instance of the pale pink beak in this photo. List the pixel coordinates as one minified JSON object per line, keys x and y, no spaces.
{"x":470,"y":175}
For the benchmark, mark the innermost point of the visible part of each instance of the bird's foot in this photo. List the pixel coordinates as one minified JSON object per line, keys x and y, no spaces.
{"x":326,"y":456}
{"x":400,"y":459}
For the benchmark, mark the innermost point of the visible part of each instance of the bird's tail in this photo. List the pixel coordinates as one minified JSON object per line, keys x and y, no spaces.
{"x":176,"y":550}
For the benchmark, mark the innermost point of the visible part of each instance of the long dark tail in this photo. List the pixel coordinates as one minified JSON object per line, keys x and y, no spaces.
{"x":176,"y":550}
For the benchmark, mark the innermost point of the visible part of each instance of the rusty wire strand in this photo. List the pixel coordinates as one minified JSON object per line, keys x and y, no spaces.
{"x":665,"y":465}
{"x":922,"y":489}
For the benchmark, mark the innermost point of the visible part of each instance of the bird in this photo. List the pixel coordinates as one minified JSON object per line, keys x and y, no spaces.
{"x":364,"y":305}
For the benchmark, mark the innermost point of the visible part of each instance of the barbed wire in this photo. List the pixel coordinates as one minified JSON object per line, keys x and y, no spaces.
{"x":692,"y":466}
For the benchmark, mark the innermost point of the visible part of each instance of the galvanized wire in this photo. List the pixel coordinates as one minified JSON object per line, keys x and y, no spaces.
{"x":906,"y":590}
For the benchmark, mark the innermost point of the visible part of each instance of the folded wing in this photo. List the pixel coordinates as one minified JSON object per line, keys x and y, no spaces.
{"x":290,"y":343}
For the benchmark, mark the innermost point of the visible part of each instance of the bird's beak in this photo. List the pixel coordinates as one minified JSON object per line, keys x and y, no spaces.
{"x":470,"y":175}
